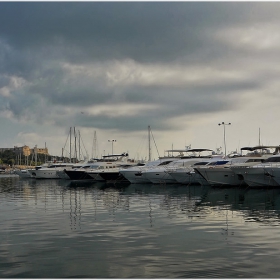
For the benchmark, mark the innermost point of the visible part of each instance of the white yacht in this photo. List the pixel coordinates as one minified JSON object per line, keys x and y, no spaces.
{"x":23,"y":173}
{"x":49,"y":172}
{"x":223,"y":175}
{"x":135,"y":174}
{"x":91,"y":171}
{"x":63,"y":175}
{"x":112,"y":175}
{"x":160,"y":174}
{"x":273,"y":172}
{"x":44,"y":165}
{"x":186,"y":175}
{"x":263,"y":174}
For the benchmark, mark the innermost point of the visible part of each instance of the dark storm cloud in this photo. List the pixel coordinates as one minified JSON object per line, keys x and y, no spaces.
{"x":142,"y":31}
{"x":40,"y":42}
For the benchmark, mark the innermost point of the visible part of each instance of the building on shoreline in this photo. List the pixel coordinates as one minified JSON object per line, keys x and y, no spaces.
{"x":26,"y":150}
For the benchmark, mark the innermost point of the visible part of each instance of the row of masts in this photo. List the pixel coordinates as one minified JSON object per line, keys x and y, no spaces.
{"x":75,"y":155}
{"x":77,"y":150}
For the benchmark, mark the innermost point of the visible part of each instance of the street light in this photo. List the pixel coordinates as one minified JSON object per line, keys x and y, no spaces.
{"x":113,"y":140}
{"x":224,"y":124}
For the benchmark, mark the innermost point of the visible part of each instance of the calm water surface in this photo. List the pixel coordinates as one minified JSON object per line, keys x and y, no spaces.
{"x":54,"y":229}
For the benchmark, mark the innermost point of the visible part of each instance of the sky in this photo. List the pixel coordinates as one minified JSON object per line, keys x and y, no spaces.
{"x":112,"y":69}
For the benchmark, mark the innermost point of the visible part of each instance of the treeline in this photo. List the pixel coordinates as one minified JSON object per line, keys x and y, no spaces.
{"x":10,"y":158}
{"x":7,"y":157}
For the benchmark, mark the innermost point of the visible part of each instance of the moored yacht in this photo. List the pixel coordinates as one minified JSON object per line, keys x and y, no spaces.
{"x":161,"y":174}
{"x":63,"y":175}
{"x":113,"y":175}
{"x":135,"y":174}
{"x":44,"y":165}
{"x":23,"y":173}
{"x":49,"y":172}
{"x":223,"y":174}
{"x":91,"y":171}
{"x":260,"y":175}
{"x":186,"y":175}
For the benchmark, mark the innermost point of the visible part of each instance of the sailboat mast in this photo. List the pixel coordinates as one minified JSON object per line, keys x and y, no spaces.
{"x":93,"y":152}
{"x":149,"y":139}
{"x":45,"y":152}
{"x":35,"y":150}
{"x":70,"y":144}
{"x":79,"y":145}
{"x":75,"y":151}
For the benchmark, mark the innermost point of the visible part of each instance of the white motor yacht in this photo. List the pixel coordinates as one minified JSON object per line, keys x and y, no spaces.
{"x":91,"y":171}
{"x":223,"y":174}
{"x":63,"y":175}
{"x":263,"y":174}
{"x":49,"y":172}
{"x":135,"y":174}
{"x":23,"y":173}
{"x":161,"y":174}
{"x":186,"y":175}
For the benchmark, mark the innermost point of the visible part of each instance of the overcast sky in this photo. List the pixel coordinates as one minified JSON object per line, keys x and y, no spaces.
{"x":115,"y":68}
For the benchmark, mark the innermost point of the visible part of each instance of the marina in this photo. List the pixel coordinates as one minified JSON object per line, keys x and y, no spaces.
{"x":88,"y":190}
{"x":257,"y":168}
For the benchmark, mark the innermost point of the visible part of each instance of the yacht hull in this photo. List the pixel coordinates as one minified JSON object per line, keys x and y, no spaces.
{"x":78,"y":175}
{"x":256,"y":177}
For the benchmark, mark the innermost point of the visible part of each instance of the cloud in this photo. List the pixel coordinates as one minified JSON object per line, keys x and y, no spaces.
{"x":132,"y":64}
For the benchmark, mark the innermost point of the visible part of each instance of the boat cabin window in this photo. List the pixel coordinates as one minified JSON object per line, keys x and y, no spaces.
{"x":93,"y":166}
{"x":255,"y":160}
{"x":57,"y":165}
{"x":86,"y":166}
{"x":202,"y":163}
{"x":165,"y":162}
{"x":272,"y":159}
{"x":220,"y":162}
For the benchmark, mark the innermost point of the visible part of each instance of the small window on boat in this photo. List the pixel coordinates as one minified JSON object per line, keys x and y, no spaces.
{"x":165,"y":162}
{"x":201,"y":163}
{"x":254,"y":160}
{"x":272,"y":159}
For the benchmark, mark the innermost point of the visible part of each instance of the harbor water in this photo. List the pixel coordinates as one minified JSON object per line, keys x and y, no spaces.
{"x":55,"y":229}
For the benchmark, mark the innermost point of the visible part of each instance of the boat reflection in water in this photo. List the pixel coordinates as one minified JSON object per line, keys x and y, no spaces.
{"x":100,"y":230}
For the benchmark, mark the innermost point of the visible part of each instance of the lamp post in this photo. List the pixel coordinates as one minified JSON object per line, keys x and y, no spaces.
{"x":113,"y":140}
{"x":224,"y":124}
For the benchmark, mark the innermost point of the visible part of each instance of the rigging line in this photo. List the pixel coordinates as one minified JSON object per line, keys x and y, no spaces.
{"x":84,"y":146}
{"x":154,"y":142}
{"x":66,"y":142}
{"x":140,"y":147}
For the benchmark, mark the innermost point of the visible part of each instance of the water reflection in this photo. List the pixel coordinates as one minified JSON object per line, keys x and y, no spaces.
{"x":259,"y":205}
{"x":96,"y":230}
